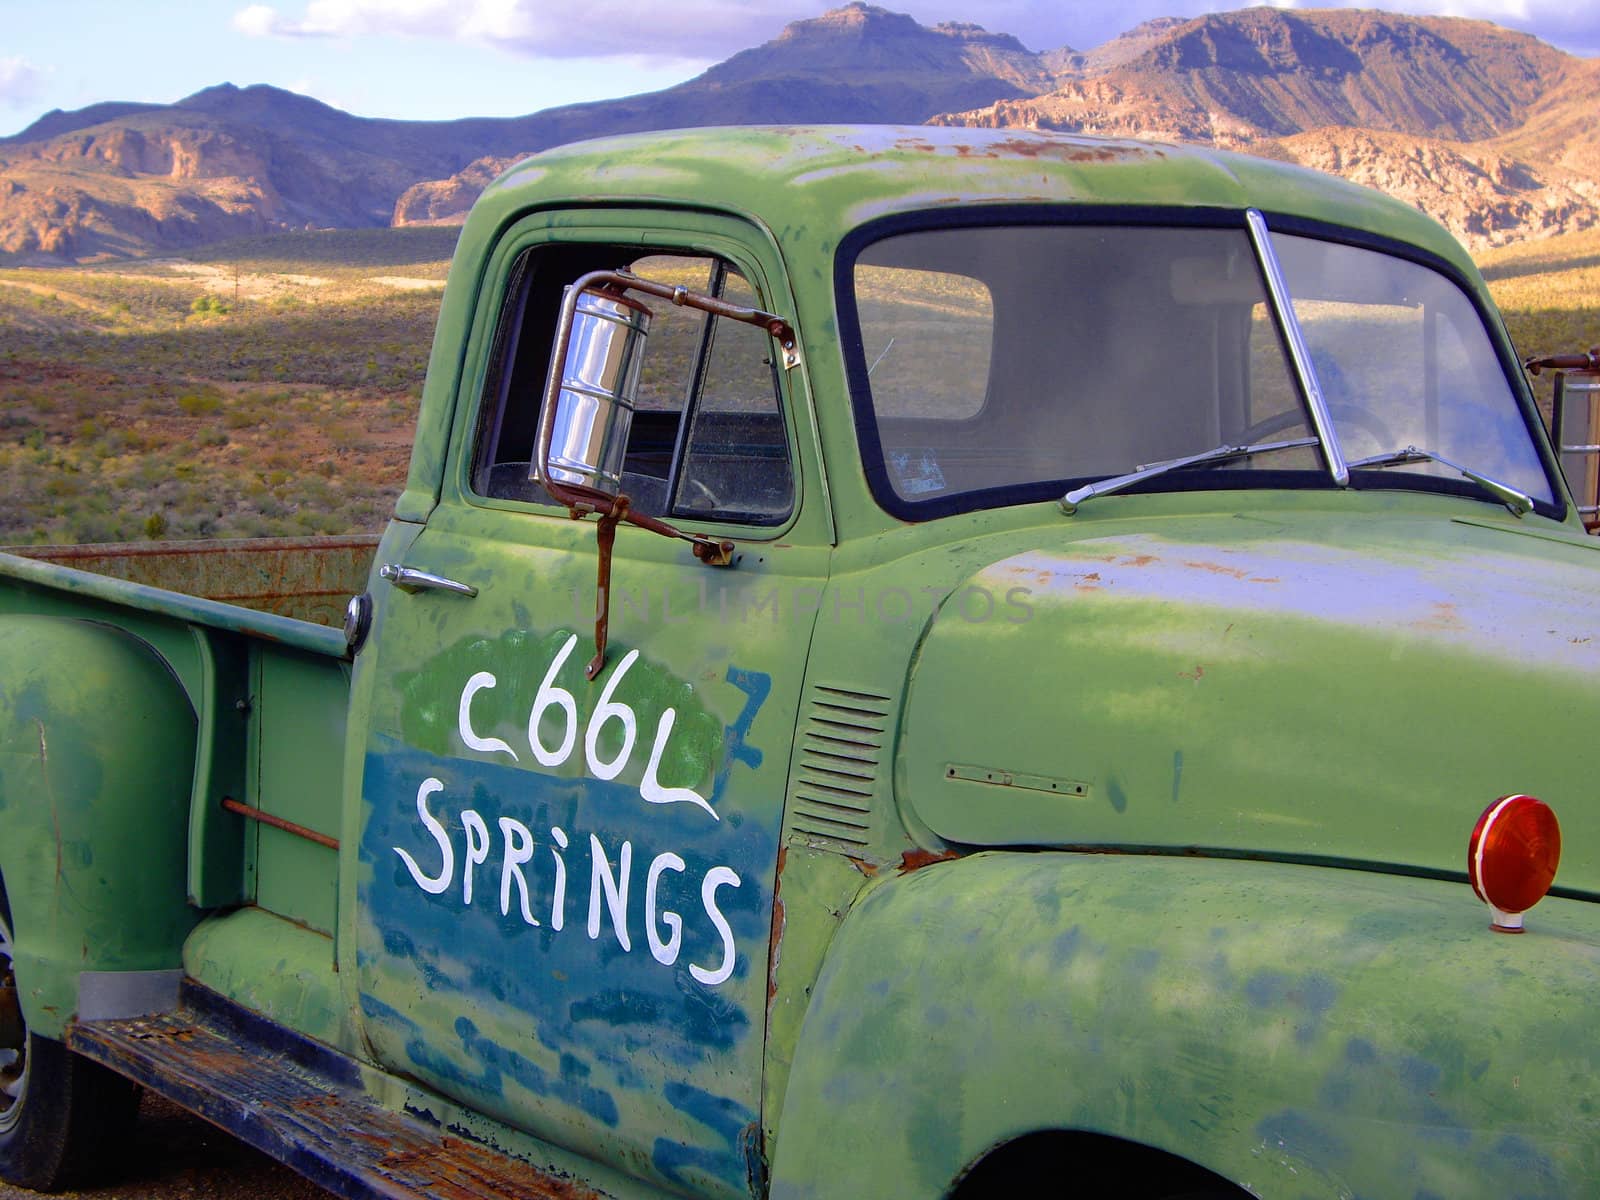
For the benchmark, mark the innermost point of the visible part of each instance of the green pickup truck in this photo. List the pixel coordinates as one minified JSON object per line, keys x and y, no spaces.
{"x":909,"y":662}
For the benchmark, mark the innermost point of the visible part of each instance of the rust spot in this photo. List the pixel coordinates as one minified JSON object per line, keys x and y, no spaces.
{"x":775,"y":944}
{"x":1139,"y":560}
{"x":1197,"y":674}
{"x":1444,"y":618}
{"x":1218,"y":569}
{"x":915,"y":860}
{"x":1265,"y":579}
{"x":868,"y":869}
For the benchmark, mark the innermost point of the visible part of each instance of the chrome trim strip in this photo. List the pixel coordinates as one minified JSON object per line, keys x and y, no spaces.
{"x":1299,"y":352}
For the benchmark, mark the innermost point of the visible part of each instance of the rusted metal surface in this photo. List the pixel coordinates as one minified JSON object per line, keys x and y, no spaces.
{"x":1588,"y":360}
{"x":266,"y":818}
{"x":605,"y":537}
{"x":309,"y":578}
{"x":915,"y":860}
{"x":779,"y":923}
{"x":300,"y":1104}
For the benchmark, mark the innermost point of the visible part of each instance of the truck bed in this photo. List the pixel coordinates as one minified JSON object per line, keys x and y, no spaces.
{"x":308,"y":579}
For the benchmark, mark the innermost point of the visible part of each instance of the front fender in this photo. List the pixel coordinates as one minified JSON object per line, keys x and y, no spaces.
{"x":1303,"y":1031}
{"x":96,"y":760}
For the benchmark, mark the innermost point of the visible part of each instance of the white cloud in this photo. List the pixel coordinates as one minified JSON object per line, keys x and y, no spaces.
{"x":708,"y":30}
{"x":256,"y":21}
{"x":687,"y":29}
{"x":20,"y":82}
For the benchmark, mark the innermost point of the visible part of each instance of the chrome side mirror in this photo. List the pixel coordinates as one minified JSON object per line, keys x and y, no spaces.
{"x":589,"y":397}
{"x":597,"y":384}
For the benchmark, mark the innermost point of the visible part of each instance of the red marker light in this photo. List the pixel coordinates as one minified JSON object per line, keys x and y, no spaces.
{"x":1512,"y":858}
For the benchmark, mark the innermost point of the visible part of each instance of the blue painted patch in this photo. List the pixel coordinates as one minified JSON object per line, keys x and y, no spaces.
{"x":1266,"y":989}
{"x":553,"y":1020}
{"x":674,"y":1161}
{"x":725,"y":1118}
{"x":1312,"y":995}
{"x":1116,"y":794}
{"x":1419,"y":1074}
{"x":1065,"y":946}
{"x":1296,"y":1133}
{"x":497,"y":1060}
{"x":1361,"y":1052}
{"x":1534,"y":1171}
{"x":757,"y":686}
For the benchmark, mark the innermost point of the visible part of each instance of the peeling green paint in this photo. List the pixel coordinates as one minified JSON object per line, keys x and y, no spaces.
{"x":552,"y":931}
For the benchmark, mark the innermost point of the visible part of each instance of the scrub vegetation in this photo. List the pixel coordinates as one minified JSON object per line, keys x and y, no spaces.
{"x":259,"y":388}
{"x":268,"y":386}
{"x":1549,"y":293}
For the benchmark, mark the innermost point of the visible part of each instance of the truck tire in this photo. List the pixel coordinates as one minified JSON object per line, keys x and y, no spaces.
{"x":59,"y":1112}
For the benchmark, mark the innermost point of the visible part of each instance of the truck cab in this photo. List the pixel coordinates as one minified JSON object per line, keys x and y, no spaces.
{"x":906,"y":659}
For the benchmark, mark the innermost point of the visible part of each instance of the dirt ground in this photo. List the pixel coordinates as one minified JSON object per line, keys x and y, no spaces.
{"x":177,"y":1156}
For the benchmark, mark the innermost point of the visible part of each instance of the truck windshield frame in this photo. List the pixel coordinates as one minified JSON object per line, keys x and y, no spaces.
{"x":1172,"y":339}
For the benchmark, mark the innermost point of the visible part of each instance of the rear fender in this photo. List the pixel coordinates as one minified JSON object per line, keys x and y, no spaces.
{"x":97,"y":743}
{"x":1302,"y":1031}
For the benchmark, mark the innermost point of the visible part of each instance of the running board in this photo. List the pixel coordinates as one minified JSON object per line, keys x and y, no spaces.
{"x":301,"y":1102}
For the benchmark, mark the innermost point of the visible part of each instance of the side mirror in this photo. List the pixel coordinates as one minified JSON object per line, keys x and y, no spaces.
{"x":589,"y":399}
{"x":596,"y":381}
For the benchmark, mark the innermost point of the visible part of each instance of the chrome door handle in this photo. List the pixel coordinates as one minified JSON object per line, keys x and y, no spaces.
{"x":409,"y":579}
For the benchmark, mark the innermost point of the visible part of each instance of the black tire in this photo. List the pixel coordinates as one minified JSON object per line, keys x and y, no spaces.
{"x":1081,"y":1166}
{"x":60,"y":1114}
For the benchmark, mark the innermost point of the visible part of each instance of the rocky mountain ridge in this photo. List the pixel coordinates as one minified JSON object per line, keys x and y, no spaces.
{"x":1490,"y":131}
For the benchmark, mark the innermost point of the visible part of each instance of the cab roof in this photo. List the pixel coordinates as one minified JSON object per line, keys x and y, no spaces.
{"x":815,"y":184}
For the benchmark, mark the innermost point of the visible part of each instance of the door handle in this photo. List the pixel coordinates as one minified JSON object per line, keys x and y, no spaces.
{"x":409,"y":579}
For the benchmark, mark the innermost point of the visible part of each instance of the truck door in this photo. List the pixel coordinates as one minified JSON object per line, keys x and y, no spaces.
{"x":563,"y":901}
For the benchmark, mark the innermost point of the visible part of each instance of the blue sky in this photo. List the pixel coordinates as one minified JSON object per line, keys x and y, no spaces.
{"x":438,"y":59}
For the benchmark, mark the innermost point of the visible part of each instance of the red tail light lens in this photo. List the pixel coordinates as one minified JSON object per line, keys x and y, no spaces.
{"x":1512,"y":856}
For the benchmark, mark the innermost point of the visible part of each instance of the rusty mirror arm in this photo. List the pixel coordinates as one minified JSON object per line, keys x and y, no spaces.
{"x":607,"y":295}
{"x":1588,"y":360}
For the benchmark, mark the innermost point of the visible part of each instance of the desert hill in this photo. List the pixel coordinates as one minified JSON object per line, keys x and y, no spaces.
{"x":125,"y":179}
{"x":1490,"y":131}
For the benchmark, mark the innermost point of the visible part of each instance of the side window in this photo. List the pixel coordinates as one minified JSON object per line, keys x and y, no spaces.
{"x":708,"y":439}
{"x":736,"y":458}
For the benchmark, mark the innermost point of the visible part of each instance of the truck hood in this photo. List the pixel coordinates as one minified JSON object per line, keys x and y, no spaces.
{"x":1314,"y":689}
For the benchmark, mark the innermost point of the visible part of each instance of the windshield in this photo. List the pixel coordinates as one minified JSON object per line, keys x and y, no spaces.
{"x":1001,"y":364}
{"x":1402,"y":359}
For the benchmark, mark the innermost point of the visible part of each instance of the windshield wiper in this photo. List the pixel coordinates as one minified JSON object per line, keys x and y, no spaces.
{"x":1518,"y":502}
{"x":1069,"y":503}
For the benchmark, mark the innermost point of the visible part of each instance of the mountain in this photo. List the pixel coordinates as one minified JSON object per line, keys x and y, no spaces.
{"x":1266,"y":72}
{"x":55,"y":122}
{"x":223,"y":162}
{"x":1489,"y":130}
{"x":126,"y":179}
